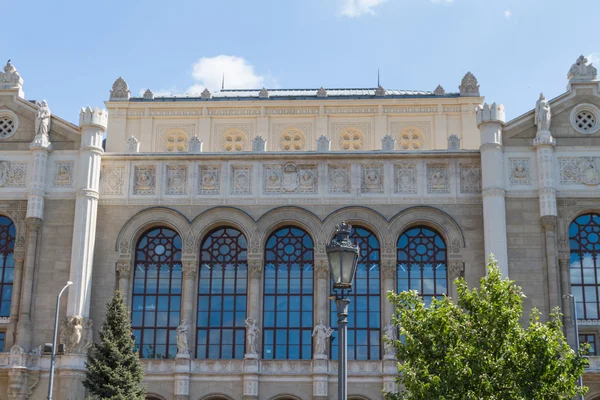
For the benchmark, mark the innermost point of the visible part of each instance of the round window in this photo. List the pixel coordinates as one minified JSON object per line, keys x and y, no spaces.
{"x":8,"y":124}
{"x":584,"y":118}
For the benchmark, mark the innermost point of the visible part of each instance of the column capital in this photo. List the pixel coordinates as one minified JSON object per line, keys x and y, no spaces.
{"x":189,"y":269}
{"x":493,"y":192}
{"x":34,"y":223}
{"x":123,"y":268}
{"x":19,"y":252}
{"x":389,"y":269}
{"x":549,"y":221}
{"x":322,"y":268}
{"x":255,"y":268}
{"x":456,"y":269}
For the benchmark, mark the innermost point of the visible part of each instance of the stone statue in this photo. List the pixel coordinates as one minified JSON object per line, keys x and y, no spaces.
{"x":88,"y":335}
{"x":71,"y":333}
{"x":42,"y":119}
{"x":389,"y":334}
{"x":182,"y":338}
{"x":252,"y":333}
{"x":542,"y":114}
{"x":321,"y":333}
{"x":9,"y":68}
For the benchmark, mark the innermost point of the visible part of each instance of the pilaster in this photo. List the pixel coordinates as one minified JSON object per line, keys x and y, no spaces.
{"x":490,"y":120}
{"x":123,"y":269}
{"x":93,"y":125}
{"x":566,"y":302}
{"x":19,"y":255}
{"x":388,"y":274}
{"x":255,"y":274}
{"x":321,"y":289}
{"x":183,"y":370}
{"x":190,"y":271}
{"x":320,"y":380}
{"x":250,"y":379}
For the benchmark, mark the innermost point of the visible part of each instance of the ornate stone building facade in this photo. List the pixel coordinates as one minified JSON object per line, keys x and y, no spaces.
{"x":212,"y":214}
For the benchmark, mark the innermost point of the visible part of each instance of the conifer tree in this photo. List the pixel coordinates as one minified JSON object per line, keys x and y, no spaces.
{"x":114,"y":370}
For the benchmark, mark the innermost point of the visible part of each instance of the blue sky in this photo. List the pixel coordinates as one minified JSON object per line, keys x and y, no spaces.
{"x":70,"y":52}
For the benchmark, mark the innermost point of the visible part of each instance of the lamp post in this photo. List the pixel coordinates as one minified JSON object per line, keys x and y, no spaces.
{"x":53,"y":356}
{"x":343,"y":258}
{"x":574,"y":317}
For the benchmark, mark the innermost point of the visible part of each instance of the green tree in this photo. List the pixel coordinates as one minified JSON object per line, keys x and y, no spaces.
{"x":114,"y":370}
{"x":479,"y":349}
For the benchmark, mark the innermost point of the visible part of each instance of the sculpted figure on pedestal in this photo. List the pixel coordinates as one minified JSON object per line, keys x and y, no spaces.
{"x":252,"y":333}
{"x":321,"y":333}
{"x":389,"y":334}
{"x":182,"y":338}
{"x":71,"y":333}
{"x":42,"y":119}
{"x":542,"y":114}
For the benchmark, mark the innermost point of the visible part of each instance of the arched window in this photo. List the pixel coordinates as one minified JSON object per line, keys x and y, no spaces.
{"x":156,"y":300}
{"x":584,"y":238}
{"x":364,"y":317}
{"x":7,"y":264}
{"x":422,"y":263}
{"x":288,"y":295}
{"x":222,"y":295}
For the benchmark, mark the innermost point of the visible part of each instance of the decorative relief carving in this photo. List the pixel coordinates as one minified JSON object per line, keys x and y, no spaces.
{"x":241,"y":180}
{"x":120,"y":90}
{"x":208,"y":179}
{"x":437,"y":178}
{"x":292,"y":137}
{"x":339,"y":178}
{"x":234,"y":111}
{"x":411,"y":135}
{"x":9,"y":123}
{"x":236,"y":138}
{"x":63,"y":173}
{"x":259,"y":144}
{"x":372,"y":178}
{"x":439,"y":91}
{"x":321,"y":92}
{"x":470,"y":178}
{"x":148,"y":94}
{"x":388,"y":143}
{"x":455,"y":246}
{"x":145,"y":179}
{"x":189,"y":268}
{"x":456,"y":269}
{"x":176,"y":179}
{"x":19,"y":252}
{"x":13,"y":174}
{"x":174,"y":137}
{"x":580,"y":170}
{"x":469,"y":86}
{"x":291,"y":111}
{"x":263,"y":94}
{"x":409,"y":110}
{"x":351,"y":110}
{"x":290,"y":178}
{"x":322,"y":269}
{"x":255,"y":268}
{"x":205,"y":94}
{"x":323,"y":144}
{"x":453,"y":142}
{"x":582,"y":71}
{"x":113,"y":179}
{"x":389,"y":269}
{"x":351,"y":136}
{"x":519,"y":171}
{"x":132,"y":145}
{"x":123,"y":269}
{"x":124,"y":246}
{"x":405,"y":178}
{"x":195,"y":145}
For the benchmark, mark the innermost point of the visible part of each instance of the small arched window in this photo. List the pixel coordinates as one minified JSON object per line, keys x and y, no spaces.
{"x":222,"y":295}
{"x":156,"y":300}
{"x":364,"y":316}
{"x":288,"y":295}
{"x":7,"y":264}
{"x":584,"y":238}
{"x":421,"y":257}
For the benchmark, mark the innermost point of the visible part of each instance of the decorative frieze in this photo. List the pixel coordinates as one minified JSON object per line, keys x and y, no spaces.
{"x":113,"y":179}
{"x":13,"y":174}
{"x":409,"y":110}
{"x":234,"y":111}
{"x":208,"y":180}
{"x":241,"y":180}
{"x":579,"y":170}
{"x":405,"y":178}
{"x":290,"y":178}
{"x":351,"y":110}
{"x":371,"y":178}
{"x":145,"y":180}
{"x":339,"y":179}
{"x":437,"y":178}
{"x":63,"y":173}
{"x":177,"y":179}
{"x":470,"y":178}
{"x":519,"y":173}
{"x":290,"y":111}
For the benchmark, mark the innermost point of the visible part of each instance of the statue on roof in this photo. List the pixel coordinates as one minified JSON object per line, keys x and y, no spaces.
{"x":42,"y":119}
{"x":10,"y":78}
{"x":543,"y":115}
{"x":9,"y":68}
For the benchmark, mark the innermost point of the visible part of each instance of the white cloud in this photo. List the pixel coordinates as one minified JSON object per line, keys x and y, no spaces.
{"x":356,"y":8}
{"x":594,"y":58}
{"x":507,"y":14}
{"x":208,"y":72}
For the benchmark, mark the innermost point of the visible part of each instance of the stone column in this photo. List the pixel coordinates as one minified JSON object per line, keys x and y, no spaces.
{"x":40,"y":148}
{"x":190,"y":268}
{"x":321,"y":291}
{"x":543,"y":144}
{"x":254,"y":306}
{"x":388,"y":283}
{"x":19,"y":255}
{"x":566,"y":302}
{"x":93,"y":125}
{"x":490,"y":120}
{"x":456,"y":269}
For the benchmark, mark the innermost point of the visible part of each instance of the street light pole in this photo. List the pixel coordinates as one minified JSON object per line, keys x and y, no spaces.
{"x":53,"y":356}
{"x":343,"y":259}
{"x":574,"y":321}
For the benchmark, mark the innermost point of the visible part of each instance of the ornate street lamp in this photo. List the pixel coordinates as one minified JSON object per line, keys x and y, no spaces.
{"x":343,"y":258}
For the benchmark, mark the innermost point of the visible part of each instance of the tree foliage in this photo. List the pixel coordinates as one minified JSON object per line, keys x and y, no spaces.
{"x":114,"y":370}
{"x":479,"y":348}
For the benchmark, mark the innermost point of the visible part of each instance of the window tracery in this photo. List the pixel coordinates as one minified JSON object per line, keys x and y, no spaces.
{"x":234,"y":140}
{"x":288,"y":295}
{"x":422,"y":259}
{"x":292,"y":139}
{"x":410,"y":139}
{"x":352,"y":139}
{"x":176,"y":141}
{"x":584,"y":238}
{"x":222,"y":289}
{"x":156,"y":300}
{"x":7,"y":264}
{"x":364,"y":316}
